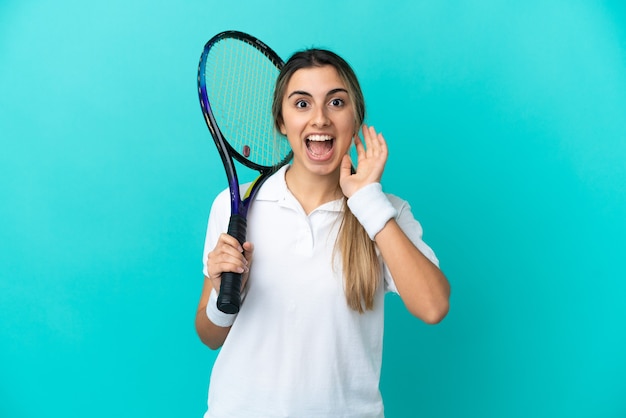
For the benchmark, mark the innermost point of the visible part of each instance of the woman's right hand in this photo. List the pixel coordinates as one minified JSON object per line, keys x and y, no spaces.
{"x":229,"y":256}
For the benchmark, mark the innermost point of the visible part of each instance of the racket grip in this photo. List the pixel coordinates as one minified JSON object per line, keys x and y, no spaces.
{"x":237,"y":228}
{"x":229,"y":299}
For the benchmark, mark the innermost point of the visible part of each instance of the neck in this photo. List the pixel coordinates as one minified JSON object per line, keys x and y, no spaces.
{"x":312,"y":190}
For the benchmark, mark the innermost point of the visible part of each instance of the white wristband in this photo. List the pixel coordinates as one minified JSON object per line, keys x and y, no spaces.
{"x":372,"y":208}
{"x":216,"y":316}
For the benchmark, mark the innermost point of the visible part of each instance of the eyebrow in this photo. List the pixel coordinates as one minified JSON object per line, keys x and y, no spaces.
{"x":330,"y":93}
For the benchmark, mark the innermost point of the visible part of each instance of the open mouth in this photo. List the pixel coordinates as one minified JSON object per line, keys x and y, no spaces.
{"x":319,"y":145}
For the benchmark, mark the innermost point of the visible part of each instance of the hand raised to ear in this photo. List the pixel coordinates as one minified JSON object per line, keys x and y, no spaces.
{"x":371,"y":159}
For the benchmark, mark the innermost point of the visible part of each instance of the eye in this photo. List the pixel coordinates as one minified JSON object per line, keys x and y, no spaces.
{"x":337,"y":102}
{"x":301,"y":104}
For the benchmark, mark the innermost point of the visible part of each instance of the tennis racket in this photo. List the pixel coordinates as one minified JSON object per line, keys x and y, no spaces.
{"x":236,"y":79}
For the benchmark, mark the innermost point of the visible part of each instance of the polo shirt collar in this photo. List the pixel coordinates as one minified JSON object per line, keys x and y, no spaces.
{"x":275,"y":190}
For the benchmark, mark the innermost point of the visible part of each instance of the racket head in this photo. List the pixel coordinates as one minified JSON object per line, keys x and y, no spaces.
{"x":236,"y":80}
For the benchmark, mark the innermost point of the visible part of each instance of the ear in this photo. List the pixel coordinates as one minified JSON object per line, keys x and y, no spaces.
{"x":283,"y":130}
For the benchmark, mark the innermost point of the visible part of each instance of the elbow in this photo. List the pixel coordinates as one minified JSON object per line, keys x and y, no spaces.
{"x":438,"y":307}
{"x":212,"y":343}
{"x":436,"y":314}
{"x":212,"y":340}
{"x":431,"y":313}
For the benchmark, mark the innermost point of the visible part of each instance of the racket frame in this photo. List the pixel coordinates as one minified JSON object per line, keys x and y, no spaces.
{"x":229,"y":299}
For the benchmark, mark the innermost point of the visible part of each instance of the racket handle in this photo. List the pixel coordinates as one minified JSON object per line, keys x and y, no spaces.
{"x":229,"y":299}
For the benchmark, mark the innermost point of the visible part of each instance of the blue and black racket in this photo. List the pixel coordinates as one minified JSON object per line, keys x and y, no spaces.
{"x":236,"y":79}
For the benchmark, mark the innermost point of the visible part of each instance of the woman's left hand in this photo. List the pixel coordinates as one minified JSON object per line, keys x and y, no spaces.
{"x":371,"y":159}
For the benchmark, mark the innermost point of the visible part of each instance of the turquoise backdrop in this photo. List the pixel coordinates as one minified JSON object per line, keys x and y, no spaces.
{"x":506,"y":123}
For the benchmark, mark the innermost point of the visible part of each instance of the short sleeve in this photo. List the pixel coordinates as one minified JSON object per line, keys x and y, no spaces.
{"x":217,"y":224}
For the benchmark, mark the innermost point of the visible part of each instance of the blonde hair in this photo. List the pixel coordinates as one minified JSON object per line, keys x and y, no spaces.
{"x":360,"y":263}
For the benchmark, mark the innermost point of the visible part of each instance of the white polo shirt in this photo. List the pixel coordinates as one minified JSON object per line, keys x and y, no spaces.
{"x":295,"y":348}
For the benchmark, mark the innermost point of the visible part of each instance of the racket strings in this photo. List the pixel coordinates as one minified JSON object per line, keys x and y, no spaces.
{"x":240,"y":83}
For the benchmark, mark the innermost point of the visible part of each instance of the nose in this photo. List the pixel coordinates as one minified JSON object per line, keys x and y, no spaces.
{"x":320,"y":118}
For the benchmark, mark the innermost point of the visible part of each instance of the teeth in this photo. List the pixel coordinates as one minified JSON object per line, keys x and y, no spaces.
{"x":319,"y":138}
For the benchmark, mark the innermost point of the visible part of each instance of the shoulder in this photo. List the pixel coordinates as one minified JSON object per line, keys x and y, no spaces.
{"x":222,"y":196}
{"x":411,"y":226}
{"x":405,"y":217}
{"x":402,"y":206}
{"x":396,"y":201}
{"x":221,"y":203}
{"x":220,"y":212}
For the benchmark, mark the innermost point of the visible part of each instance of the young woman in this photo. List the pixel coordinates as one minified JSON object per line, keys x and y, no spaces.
{"x":328,"y":244}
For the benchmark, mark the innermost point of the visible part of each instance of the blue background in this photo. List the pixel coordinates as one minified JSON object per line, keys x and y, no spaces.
{"x":507,"y":132}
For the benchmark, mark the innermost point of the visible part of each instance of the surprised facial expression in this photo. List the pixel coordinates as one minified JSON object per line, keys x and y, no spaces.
{"x":318,"y":119}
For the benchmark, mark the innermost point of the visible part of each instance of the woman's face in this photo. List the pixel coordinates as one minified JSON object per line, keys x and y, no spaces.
{"x":318,"y":119}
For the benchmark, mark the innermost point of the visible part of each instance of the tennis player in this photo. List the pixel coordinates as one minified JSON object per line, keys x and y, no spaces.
{"x":325,"y":243}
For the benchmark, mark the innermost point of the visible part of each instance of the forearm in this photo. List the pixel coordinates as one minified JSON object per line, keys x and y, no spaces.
{"x":210,"y":334}
{"x":422,"y":286}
